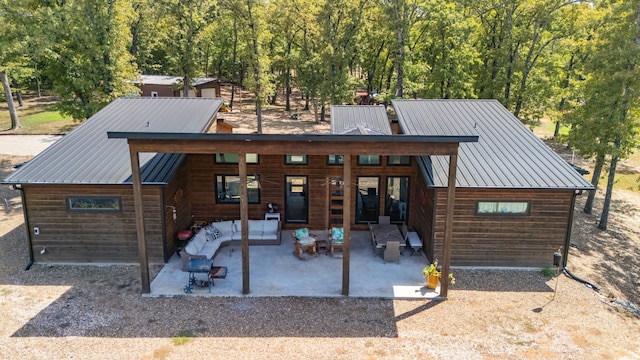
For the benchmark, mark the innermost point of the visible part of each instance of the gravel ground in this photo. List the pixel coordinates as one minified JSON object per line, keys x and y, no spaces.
{"x":66,"y":312}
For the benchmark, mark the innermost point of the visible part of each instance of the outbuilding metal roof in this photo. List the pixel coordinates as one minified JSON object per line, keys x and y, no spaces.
{"x":87,"y":156}
{"x":360,"y":120}
{"x":170,"y":80}
{"x":507,"y":154}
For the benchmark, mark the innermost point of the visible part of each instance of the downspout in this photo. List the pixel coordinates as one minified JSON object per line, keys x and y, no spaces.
{"x":567,"y":243}
{"x":26,"y":224}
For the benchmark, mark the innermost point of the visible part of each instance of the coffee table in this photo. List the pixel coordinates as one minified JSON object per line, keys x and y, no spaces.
{"x":197,"y":266}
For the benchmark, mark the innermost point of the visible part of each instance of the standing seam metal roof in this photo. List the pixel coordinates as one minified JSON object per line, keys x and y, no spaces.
{"x":507,"y":154}
{"x":352,"y":119}
{"x":87,"y":156}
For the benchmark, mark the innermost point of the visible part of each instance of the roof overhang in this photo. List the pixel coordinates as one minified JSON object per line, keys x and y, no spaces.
{"x":281,"y":144}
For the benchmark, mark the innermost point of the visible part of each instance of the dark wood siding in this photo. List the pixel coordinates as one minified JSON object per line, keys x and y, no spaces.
{"x":421,"y":213}
{"x":177,"y":194}
{"x":85,"y":237}
{"x":272,"y":171}
{"x":498,"y":240}
{"x":162,"y":90}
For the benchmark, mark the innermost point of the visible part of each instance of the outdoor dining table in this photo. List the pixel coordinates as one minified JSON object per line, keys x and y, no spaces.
{"x":384,"y":233}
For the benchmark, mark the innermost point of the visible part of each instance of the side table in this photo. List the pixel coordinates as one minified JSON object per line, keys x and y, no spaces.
{"x":322,"y":245}
{"x":272,"y":216}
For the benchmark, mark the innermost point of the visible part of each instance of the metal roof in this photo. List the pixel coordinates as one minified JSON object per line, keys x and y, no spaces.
{"x":507,"y":154}
{"x":87,"y":156}
{"x":159,"y":80}
{"x":170,"y":80}
{"x":360,"y":120}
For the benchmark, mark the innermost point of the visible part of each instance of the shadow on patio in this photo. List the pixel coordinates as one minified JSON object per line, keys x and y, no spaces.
{"x":274,"y":271}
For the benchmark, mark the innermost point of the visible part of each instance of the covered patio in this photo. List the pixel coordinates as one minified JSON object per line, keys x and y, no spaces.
{"x":276,"y":271}
{"x":346,"y":145}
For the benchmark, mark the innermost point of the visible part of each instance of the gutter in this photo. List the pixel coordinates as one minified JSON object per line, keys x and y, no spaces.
{"x":26,"y":223}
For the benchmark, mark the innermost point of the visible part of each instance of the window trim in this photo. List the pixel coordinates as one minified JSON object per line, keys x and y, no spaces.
{"x":70,"y":208}
{"x":526,"y":213}
{"x":219,"y":201}
{"x":288,"y":161}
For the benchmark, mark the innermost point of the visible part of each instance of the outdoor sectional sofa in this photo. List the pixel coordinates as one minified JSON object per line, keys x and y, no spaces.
{"x":208,"y":241}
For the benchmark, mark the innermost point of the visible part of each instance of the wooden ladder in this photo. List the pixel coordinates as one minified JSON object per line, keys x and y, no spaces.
{"x":335,"y":202}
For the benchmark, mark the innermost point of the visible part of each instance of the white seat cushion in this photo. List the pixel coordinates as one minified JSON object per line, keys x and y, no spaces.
{"x":225,"y":227}
{"x":270,"y":226}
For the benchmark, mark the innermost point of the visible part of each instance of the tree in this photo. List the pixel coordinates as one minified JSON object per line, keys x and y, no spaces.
{"x":607,"y":116}
{"x":87,"y":44}
{"x":12,"y":51}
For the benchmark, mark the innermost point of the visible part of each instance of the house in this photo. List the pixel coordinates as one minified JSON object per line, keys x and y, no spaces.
{"x":171,"y":86}
{"x":513,"y":196}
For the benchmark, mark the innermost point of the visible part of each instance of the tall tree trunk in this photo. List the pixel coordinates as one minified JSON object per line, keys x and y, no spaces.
{"x":306,"y":104}
{"x":256,"y":67}
{"x":595,"y":179}
{"x":234,"y":66}
{"x":19,"y":98}
{"x":15,"y":122}
{"x":315,"y":110}
{"x":287,"y":89}
{"x":604,"y":218}
{"x":400,"y":59}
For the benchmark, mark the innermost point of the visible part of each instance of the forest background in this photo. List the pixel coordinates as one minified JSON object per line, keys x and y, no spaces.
{"x":575,"y":62}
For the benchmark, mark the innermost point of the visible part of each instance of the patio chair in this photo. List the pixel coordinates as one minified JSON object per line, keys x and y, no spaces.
{"x":303,"y":242}
{"x":336,"y":239}
{"x":392,"y":251}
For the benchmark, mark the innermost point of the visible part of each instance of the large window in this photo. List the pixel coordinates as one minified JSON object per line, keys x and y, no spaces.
{"x":233,"y":158}
{"x":368,"y":159}
{"x":295,"y":159}
{"x":367,"y":200}
{"x":503,"y":207}
{"x":397,"y":200}
{"x":296,"y":210}
{"x":93,"y":203}
{"x":228,"y":189}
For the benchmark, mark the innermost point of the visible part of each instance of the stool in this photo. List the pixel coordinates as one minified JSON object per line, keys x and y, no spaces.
{"x":414,"y":242}
{"x":217,"y":272}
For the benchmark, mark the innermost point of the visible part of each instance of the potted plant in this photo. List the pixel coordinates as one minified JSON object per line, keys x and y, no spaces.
{"x":432,"y":274}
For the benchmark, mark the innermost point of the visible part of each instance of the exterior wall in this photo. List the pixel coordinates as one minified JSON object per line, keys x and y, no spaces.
{"x":506,"y":241}
{"x":422,"y":214}
{"x":272,"y":171}
{"x":87,"y":236}
{"x":177,"y":195}
{"x":162,"y":90}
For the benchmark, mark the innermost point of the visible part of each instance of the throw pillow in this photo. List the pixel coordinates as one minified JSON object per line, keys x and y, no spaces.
{"x":215,"y":233}
{"x":302,"y":233}
{"x":337,"y":234}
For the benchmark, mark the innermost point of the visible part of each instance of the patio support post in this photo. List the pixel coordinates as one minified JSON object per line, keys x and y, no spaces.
{"x":448,"y":225}
{"x":142,"y":241}
{"x":244,"y":221}
{"x":346,"y":223}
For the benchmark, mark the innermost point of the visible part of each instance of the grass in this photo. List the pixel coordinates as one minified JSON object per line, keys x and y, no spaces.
{"x":37,"y":118}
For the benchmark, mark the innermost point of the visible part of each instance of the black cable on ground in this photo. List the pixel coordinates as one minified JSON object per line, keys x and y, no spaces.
{"x":588,"y":284}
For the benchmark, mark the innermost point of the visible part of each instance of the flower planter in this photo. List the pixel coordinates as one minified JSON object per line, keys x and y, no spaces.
{"x":432,"y":281}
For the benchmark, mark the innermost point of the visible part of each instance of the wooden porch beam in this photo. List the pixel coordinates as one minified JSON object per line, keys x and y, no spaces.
{"x":404,"y":148}
{"x":448,"y":226}
{"x":244,"y":221}
{"x":346,"y":223}
{"x":139,"y":210}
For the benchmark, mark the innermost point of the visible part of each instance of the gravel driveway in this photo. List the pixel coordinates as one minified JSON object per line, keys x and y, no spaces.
{"x":25,"y":145}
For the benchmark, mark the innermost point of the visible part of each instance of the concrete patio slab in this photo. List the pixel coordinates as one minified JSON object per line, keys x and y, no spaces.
{"x":275,"y":271}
